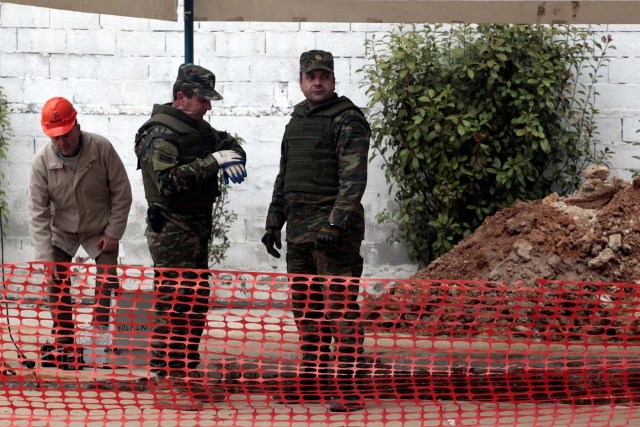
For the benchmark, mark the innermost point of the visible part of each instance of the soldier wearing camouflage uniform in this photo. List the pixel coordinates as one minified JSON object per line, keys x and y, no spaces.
{"x":180,"y":156}
{"x":317,"y":193}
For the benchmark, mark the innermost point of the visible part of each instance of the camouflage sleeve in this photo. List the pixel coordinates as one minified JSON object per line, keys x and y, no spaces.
{"x":224,"y":141}
{"x":160,"y":157}
{"x":352,"y":135}
{"x":275,"y":215}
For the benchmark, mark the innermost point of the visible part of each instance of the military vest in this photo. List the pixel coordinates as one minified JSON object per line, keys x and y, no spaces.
{"x":192,"y":143}
{"x":311,"y":158}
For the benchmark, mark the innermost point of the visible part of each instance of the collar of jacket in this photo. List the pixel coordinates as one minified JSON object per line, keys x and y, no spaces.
{"x":174,"y":112}
{"x":87,"y":155}
{"x":303,"y":109}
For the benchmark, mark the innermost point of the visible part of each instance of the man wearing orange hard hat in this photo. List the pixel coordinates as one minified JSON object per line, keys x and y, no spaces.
{"x":79,"y":195}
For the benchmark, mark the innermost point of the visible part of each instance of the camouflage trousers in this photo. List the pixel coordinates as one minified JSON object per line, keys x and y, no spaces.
{"x":59,"y":294}
{"x":183,"y":299}
{"x":325,"y":310}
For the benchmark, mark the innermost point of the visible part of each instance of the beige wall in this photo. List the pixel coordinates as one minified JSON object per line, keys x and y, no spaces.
{"x":421,"y":11}
{"x":410,"y":11}
{"x":152,"y":9}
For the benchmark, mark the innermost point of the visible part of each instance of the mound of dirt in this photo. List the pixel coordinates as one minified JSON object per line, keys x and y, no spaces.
{"x":591,"y":235}
{"x":518,"y":275}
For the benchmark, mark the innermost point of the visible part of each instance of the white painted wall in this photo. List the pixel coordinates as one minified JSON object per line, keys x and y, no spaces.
{"x":114,"y":68}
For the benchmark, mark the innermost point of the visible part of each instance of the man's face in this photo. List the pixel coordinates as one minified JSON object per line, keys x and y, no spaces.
{"x":67,"y":144}
{"x":195,"y":107}
{"x":317,"y":86}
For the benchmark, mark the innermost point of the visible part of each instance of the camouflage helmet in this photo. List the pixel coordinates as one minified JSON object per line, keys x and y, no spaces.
{"x":198,"y":79}
{"x":316,"y":59}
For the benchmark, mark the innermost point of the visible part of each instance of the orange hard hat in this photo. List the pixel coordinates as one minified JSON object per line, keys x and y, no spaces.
{"x":58,"y":117}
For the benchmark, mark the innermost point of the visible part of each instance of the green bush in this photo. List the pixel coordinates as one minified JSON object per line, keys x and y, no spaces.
{"x":470,"y":119}
{"x":222,"y":219}
{"x":5,"y":129}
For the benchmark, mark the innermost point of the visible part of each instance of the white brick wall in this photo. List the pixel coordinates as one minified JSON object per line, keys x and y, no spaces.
{"x":115,"y":68}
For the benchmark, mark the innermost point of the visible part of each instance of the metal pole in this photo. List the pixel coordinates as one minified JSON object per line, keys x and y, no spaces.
{"x":188,"y":31}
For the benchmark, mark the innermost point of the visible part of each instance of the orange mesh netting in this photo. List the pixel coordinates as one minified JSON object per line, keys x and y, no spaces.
{"x":423,"y":353}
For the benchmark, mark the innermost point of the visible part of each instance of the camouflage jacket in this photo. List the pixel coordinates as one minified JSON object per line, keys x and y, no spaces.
{"x":306,"y":213}
{"x":158,"y":155}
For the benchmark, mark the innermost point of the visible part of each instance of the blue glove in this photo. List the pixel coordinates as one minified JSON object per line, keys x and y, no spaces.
{"x":235,"y":173}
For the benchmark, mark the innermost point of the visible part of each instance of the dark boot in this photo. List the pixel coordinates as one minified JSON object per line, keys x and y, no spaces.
{"x":345,"y":397}
{"x":348,"y":403}
{"x":63,"y":357}
{"x":305,"y":387}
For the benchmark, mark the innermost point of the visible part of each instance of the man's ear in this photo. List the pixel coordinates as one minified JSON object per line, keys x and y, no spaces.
{"x":179,"y":99}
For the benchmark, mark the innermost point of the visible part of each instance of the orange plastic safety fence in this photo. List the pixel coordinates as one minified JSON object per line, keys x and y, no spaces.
{"x":95,"y":345}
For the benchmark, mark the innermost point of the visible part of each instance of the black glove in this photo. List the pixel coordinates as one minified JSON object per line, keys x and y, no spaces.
{"x":270,"y":237}
{"x":328,"y":235}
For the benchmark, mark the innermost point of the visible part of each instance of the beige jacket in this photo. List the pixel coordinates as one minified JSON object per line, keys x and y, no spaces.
{"x":68,"y":210}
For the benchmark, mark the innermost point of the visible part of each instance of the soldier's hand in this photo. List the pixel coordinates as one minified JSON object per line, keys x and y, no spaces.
{"x":271,"y":237}
{"x":328,"y":235}
{"x":225,"y":158}
{"x":235,"y":173}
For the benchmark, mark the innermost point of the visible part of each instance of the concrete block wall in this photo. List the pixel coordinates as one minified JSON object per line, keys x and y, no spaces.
{"x":115,"y":68}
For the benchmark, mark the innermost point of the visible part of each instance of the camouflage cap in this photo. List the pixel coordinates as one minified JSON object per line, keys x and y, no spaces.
{"x":200,"y":80}
{"x":316,"y":59}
